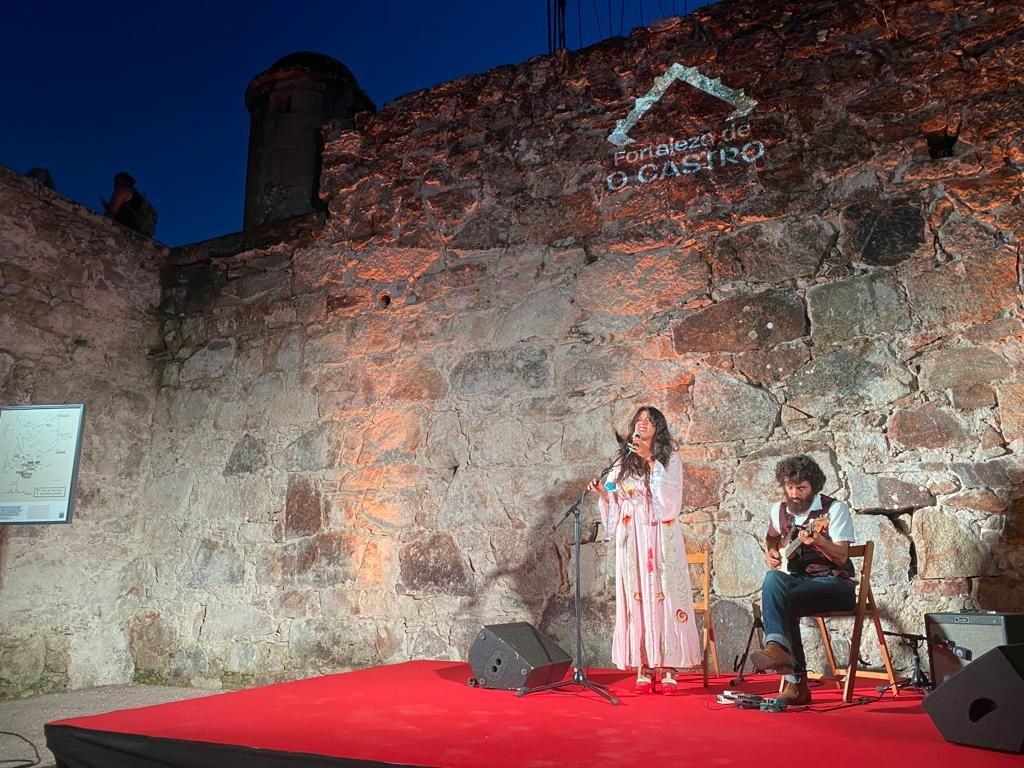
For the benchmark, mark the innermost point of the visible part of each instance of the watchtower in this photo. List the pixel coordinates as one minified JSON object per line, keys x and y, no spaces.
{"x":288,"y":104}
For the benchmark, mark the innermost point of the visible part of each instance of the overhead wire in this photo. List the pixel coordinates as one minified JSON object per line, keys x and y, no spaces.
{"x":556,"y":14}
{"x":579,"y":22}
{"x":551,"y":45}
{"x":556,"y":25}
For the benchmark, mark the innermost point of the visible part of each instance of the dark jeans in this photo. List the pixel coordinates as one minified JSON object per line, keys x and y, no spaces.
{"x":785,"y":598}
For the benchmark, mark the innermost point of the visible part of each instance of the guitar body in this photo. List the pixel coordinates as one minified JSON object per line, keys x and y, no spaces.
{"x":818,"y":525}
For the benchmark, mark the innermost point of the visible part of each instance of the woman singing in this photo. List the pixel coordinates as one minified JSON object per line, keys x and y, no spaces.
{"x":654,"y":623}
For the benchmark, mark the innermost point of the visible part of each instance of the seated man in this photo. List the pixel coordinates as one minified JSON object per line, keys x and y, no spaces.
{"x":818,"y":531}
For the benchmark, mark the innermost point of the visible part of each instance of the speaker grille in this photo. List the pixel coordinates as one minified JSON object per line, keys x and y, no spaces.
{"x":956,"y":639}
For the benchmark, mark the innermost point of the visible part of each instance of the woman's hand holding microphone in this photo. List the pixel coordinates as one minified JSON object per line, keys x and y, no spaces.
{"x":596,"y":486}
{"x":641,"y":448}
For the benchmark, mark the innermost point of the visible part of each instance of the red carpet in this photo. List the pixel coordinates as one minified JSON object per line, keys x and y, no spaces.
{"x":424,"y":714}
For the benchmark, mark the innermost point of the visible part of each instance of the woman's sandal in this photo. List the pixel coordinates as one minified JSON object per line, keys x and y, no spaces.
{"x":644,"y":684}
{"x":669,"y":684}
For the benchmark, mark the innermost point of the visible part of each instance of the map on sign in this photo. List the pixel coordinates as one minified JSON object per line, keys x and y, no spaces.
{"x":39,"y":448}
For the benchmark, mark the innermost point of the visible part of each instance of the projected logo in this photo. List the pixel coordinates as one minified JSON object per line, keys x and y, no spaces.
{"x":673,"y":158}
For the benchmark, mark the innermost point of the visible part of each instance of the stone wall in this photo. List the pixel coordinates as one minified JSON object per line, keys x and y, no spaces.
{"x":364,"y":431}
{"x":375,"y":426}
{"x":75,"y":327}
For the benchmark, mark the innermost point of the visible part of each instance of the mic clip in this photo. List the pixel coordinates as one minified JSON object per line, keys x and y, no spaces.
{"x":962,"y":653}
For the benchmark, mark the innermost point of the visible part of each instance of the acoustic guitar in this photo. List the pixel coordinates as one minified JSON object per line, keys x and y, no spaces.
{"x":818,"y":525}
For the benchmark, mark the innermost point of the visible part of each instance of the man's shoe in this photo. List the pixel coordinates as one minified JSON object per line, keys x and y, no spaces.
{"x":772,"y":657}
{"x":796,"y":694}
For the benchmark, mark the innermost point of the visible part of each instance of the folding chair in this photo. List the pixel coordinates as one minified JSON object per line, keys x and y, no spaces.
{"x":845,"y":677}
{"x":702,"y":607}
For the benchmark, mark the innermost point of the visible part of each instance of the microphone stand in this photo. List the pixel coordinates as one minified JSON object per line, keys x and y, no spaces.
{"x":579,"y":674}
{"x":918,"y":680}
{"x":740,"y":663}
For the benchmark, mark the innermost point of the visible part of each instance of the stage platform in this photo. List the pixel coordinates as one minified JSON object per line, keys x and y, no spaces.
{"x":423,"y":713}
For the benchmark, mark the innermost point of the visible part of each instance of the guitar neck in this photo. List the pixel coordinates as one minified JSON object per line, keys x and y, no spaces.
{"x":791,"y":548}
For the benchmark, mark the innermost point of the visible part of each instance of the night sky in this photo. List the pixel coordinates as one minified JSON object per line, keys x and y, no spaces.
{"x":156,"y":89}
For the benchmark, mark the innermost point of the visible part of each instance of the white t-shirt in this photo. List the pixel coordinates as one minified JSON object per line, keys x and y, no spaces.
{"x":840,"y":521}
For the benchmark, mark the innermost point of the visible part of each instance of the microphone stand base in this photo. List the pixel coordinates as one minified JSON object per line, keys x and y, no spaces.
{"x":579,"y":678}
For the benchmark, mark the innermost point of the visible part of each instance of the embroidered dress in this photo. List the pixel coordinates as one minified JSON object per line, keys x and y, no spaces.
{"x":654,"y":622}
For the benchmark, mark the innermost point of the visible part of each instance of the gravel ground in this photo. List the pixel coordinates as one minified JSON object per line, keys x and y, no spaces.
{"x":26,"y":717}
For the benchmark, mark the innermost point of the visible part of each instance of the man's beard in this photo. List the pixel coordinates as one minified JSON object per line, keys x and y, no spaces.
{"x":798,"y":507}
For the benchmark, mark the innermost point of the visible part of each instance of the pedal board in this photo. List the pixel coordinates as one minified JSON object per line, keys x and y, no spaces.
{"x":739,"y":700}
{"x":751,"y":701}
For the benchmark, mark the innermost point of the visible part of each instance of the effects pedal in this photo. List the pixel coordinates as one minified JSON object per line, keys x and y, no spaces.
{"x":773,"y":705}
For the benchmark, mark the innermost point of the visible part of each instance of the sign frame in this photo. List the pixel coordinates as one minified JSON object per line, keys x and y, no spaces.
{"x":40,"y":449}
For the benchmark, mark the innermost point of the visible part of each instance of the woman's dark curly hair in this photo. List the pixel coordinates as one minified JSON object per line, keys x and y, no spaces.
{"x":662,"y":446}
{"x":796,"y":469}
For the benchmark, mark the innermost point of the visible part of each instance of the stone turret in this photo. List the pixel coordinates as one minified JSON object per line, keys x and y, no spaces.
{"x":289,"y":103}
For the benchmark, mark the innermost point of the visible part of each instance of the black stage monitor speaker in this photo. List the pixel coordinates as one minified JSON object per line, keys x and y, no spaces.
{"x":955,"y":639}
{"x":517,"y":655}
{"x":982,"y":705}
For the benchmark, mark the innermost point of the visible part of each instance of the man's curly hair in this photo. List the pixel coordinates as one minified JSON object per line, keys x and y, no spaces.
{"x":796,"y":469}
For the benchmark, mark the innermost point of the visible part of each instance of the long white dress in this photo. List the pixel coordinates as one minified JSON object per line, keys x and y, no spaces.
{"x":654,"y":621}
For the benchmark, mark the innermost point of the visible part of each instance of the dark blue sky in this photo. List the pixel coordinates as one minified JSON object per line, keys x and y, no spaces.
{"x":156,"y":89}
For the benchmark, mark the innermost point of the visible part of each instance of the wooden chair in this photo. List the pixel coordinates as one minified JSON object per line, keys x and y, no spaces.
{"x":845,"y":677}
{"x":702,"y":607}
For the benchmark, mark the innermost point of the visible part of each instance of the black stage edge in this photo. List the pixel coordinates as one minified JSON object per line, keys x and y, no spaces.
{"x":85,"y":748}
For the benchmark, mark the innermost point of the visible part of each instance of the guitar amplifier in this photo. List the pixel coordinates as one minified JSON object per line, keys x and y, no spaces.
{"x":956,"y":639}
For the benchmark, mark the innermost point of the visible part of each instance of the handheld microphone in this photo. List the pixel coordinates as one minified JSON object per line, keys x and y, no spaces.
{"x":630,"y":445}
{"x":626,"y":444}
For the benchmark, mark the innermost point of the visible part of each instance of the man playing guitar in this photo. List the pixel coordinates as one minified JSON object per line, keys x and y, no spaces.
{"x":818,"y":576}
